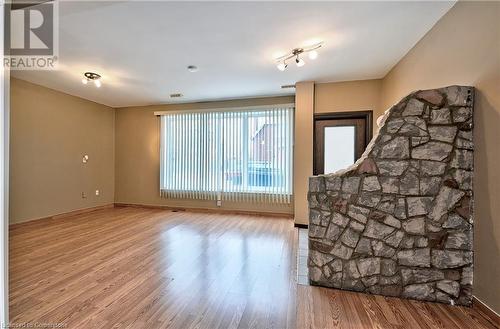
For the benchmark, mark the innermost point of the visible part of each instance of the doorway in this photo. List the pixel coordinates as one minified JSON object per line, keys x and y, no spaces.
{"x":340,"y":139}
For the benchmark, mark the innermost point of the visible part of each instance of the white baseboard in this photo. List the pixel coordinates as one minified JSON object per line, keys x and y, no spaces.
{"x":482,"y":306}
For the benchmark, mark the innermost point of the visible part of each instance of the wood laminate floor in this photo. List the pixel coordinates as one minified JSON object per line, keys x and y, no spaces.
{"x":330,"y":308}
{"x":148,"y":268}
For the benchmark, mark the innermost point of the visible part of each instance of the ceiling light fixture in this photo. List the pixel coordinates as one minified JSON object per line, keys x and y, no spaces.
{"x":91,"y":76}
{"x":282,"y":66}
{"x":296,"y":52}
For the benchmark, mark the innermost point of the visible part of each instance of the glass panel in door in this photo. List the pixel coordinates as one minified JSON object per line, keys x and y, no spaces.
{"x":339,"y":144}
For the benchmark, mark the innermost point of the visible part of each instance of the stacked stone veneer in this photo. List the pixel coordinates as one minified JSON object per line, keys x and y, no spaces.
{"x":399,"y":221}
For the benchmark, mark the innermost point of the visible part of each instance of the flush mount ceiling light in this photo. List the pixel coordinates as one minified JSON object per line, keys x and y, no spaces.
{"x":295,"y":53}
{"x":91,"y":76}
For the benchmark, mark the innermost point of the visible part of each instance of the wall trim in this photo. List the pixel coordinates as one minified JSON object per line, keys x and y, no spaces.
{"x":206,"y":210}
{"x":63,"y":215}
{"x":487,"y":311}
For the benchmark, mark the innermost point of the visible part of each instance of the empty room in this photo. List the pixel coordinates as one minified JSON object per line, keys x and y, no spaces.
{"x":284,"y":165}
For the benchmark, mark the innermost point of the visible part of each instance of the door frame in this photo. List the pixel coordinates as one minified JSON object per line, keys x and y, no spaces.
{"x":366,"y":115}
{"x":4,"y":176}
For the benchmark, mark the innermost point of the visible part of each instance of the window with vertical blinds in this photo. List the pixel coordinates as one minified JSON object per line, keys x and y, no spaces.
{"x":238,"y":155}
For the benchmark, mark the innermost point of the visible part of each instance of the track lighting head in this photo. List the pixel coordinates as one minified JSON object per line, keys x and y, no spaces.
{"x":282,"y":66}
{"x":299,"y":61}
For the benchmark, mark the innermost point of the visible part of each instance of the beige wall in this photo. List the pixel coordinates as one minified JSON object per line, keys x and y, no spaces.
{"x":137,"y":163}
{"x":464,"y":48}
{"x":50,"y":132}
{"x":303,"y":149}
{"x":361,"y":95}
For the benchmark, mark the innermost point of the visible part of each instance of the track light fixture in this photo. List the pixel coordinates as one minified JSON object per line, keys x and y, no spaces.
{"x":91,"y":76}
{"x":296,"y":52}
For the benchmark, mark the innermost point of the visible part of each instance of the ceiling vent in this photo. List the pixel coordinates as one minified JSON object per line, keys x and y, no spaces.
{"x":287,"y":86}
{"x":177,"y":95}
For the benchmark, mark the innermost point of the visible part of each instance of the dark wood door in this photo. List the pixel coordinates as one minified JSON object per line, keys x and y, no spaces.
{"x":339,"y":140}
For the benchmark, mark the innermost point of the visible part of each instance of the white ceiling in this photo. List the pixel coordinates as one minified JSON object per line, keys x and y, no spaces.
{"x":142,"y":48}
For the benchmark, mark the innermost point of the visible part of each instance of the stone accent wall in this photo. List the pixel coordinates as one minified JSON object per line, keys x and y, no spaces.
{"x":399,"y":221}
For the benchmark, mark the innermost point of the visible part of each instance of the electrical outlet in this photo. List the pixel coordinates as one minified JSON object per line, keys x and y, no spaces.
{"x":219,"y":203}
{"x":97,"y":192}
{"x":84,"y":195}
